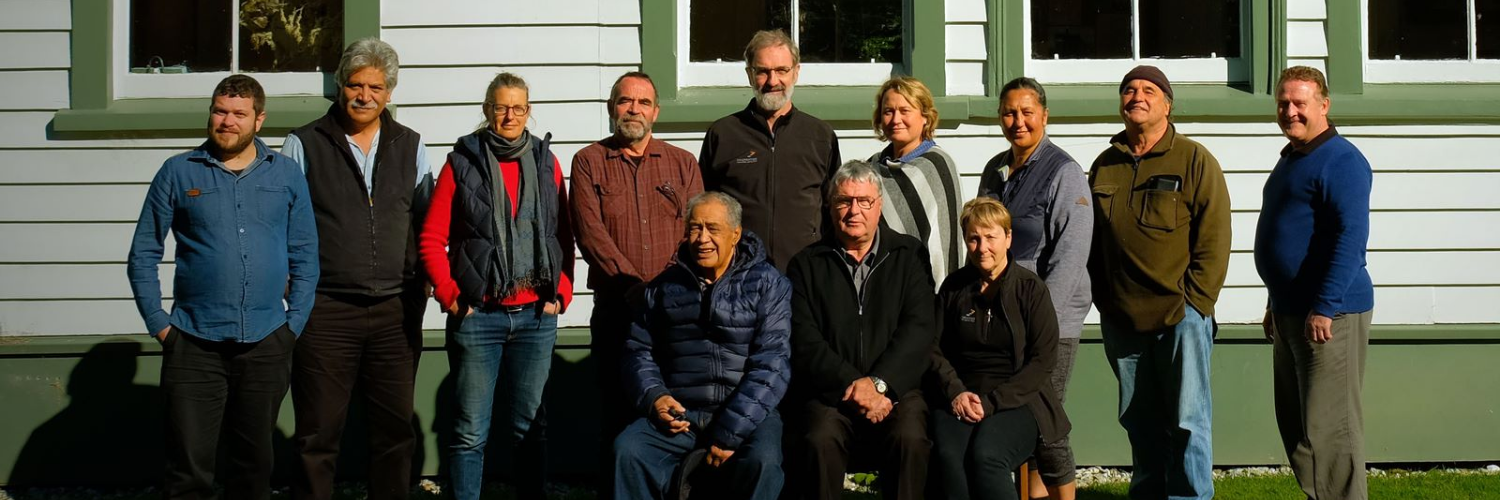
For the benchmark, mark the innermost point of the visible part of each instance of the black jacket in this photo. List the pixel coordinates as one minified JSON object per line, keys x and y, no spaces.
{"x":1023,"y":309}
{"x":836,"y":340}
{"x":780,"y":183}
{"x":721,"y":350}
{"x":367,"y":242}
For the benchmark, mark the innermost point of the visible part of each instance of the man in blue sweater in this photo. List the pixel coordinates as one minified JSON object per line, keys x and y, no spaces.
{"x":1310,"y":251}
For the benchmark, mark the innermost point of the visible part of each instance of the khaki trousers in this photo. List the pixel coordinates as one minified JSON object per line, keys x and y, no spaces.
{"x":1318,"y":406}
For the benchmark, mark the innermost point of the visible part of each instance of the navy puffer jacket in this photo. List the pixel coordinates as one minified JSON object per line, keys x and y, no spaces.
{"x":721,"y":350}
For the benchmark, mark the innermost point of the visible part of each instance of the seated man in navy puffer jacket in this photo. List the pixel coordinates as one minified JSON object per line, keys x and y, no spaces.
{"x":707,"y":361}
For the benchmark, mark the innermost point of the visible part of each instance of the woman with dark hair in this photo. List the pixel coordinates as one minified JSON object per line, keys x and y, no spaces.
{"x":1048,"y":198}
{"x":920,"y":179}
{"x":499,"y":251}
{"x":995,"y":353}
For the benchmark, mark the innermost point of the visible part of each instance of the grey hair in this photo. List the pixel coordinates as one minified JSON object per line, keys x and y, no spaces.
{"x":369,"y":53}
{"x":855,"y":171}
{"x":731,"y":205}
{"x":504,"y":80}
{"x":770,"y":38}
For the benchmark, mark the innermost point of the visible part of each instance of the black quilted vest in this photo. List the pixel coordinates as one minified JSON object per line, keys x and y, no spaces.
{"x":367,"y":243}
{"x":472,"y":228}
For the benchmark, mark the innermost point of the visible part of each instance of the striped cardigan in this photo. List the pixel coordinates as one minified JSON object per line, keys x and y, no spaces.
{"x":922,"y":200}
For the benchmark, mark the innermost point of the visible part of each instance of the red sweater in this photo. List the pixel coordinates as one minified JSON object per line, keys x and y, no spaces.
{"x":433,"y":243}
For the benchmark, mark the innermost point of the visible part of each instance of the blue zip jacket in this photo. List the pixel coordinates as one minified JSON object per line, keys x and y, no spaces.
{"x":721,"y":350}
{"x":1313,"y":229}
{"x":244,"y":243}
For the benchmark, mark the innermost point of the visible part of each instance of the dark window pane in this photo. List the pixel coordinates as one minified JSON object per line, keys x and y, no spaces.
{"x":721,"y":29}
{"x":851,"y":30}
{"x":1487,"y":27}
{"x":1419,"y":29}
{"x":1080,"y":29}
{"x":1190,"y":28}
{"x":180,"y":33}
{"x":282,"y":35}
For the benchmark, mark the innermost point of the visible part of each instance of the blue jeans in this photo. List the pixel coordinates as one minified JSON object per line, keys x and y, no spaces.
{"x":646,"y":457}
{"x":513,"y":350}
{"x":1166,"y":405}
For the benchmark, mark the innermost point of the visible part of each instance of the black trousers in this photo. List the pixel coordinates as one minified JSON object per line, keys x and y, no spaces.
{"x":608,"y":327}
{"x":227,"y":389}
{"x":825,"y":437}
{"x":373,"y":343}
{"x":976,"y":460}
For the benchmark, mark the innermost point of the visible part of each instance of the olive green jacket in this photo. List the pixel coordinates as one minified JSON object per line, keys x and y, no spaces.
{"x":1161,"y":232}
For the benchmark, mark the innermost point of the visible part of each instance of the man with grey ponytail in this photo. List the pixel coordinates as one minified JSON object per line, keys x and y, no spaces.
{"x":370,"y":182}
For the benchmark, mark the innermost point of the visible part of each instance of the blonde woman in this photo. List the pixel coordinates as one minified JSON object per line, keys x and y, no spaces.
{"x":921,"y":181}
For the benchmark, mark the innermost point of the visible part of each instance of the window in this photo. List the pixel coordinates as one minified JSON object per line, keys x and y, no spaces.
{"x":1096,"y":41}
{"x":842,"y":42}
{"x":1432,"y":41}
{"x":178,"y":48}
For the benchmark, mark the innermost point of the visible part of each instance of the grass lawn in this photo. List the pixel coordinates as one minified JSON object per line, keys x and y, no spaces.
{"x":1397,"y":485}
{"x":1413,"y":486}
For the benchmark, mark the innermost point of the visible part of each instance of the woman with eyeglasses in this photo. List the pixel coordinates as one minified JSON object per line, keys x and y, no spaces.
{"x":921,"y":180}
{"x":499,"y":251}
{"x":997,"y":336}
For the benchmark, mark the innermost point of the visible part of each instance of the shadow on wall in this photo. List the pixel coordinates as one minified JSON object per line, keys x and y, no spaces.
{"x":570,"y":410}
{"x":110,"y":432}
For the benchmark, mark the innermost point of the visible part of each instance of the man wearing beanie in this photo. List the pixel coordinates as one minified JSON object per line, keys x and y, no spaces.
{"x":1159,"y":256}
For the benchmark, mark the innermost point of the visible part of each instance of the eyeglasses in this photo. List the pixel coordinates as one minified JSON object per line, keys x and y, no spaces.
{"x":863,"y":202}
{"x":516,"y":111}
{"x":780,"y":72}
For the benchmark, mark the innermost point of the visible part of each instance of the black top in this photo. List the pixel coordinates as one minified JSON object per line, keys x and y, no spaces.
{"x":839,"y":336}
{"x":778,"y":176}
{"x":1003,"y":349}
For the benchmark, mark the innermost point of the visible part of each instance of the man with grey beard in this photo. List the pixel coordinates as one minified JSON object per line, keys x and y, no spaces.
{"x":781,"y":182}
{"x":629,"y":192}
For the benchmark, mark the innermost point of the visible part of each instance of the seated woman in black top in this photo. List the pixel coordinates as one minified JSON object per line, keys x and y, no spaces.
{"x":996,"y":349}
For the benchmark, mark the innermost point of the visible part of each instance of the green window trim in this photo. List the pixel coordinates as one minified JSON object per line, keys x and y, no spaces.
{"x":1355,"y":101}
{"x":94,"y":109}
{"x":685,"y":107}
{"x":1264,"y":43}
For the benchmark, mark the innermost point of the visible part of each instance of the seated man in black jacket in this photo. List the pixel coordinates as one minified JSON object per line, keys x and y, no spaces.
{"x":707,"y":361}
{"x":862,"y":327}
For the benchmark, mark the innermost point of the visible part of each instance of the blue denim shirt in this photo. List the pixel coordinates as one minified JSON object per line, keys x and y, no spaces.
{"x":244,"y":242}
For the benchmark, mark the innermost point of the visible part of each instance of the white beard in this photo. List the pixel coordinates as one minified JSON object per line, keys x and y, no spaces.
{"x":772,"y":103}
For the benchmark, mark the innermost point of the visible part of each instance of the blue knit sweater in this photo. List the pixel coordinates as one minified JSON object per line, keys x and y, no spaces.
{"x":1313,"y":230}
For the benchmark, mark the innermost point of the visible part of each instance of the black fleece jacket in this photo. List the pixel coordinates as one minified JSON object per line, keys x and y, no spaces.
{"x":836,"y":339}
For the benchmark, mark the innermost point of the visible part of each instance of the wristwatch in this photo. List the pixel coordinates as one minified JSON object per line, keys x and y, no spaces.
{"x":880,"y":386}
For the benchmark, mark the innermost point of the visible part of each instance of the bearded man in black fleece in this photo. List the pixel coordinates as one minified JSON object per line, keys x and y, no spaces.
{"x":862,"y":325}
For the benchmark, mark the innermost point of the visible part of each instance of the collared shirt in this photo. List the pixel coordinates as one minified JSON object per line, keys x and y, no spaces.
{"x":245,"y":242}
{"x":1307,"y":149}
{"x":860,"y":270}
{"x":628,"y":211}
{"x":294,"y":149}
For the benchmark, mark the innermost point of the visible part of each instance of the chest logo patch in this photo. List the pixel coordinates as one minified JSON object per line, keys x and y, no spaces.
{"x":750,"y":157}
{"x":193,"y":193}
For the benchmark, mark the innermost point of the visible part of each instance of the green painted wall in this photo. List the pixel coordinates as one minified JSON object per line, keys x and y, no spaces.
{"x":86,"y":410}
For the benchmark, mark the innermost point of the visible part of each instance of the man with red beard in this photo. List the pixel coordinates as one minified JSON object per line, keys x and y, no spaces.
{"x":370,"y":184}
{"x":629,"y":192}
{"x":772,"y":158}
{"x":246,"y":240}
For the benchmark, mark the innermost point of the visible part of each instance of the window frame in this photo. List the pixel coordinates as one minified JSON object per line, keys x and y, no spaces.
{"x":1471,"y":69}
{"x":1210,"y":70}
{"x":95,"y":107}
{"x":1263,"y":47}
{"x":732,"y":73}
{"x":663,"y":55}
{"x":1357,"y":99}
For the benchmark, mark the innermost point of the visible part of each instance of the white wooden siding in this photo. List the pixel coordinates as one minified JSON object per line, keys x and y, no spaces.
{"x":68,"y":207}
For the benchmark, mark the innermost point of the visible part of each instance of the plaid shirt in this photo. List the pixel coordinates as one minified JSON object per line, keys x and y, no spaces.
{"x":627,"y":213}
